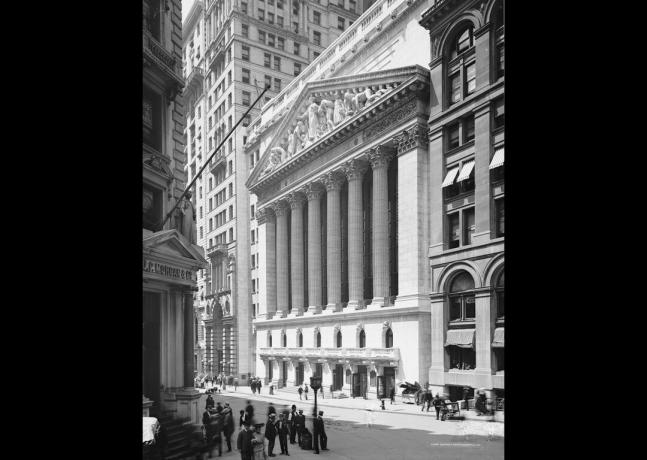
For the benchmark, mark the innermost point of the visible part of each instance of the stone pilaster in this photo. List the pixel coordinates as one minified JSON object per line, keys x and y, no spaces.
{"x":333,"y":184}
{"x":354,"y":171}
{"x":296,"y":261}
{"x":379,"y":160}
{"x":188,"y":339}
{"x":438,"y":320}
{"x":483,"y":337}
{"x":267,"y":263}
{"x":435,"y":208}
{"x":314,"y":192}
{"x":482,"y":190}
{"x":280,"y":209}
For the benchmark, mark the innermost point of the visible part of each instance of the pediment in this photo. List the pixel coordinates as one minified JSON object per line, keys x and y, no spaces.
{"x":324,"y":108}
{"x":171,"y":244}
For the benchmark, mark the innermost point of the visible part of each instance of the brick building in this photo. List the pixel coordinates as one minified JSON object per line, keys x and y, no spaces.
{"x":170,"y":255}
{"x":231,"y":50}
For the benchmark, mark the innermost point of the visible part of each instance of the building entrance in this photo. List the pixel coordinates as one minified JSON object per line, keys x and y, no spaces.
{"x":360,"y":382}
{"x":338,"y":377}
{"x":389,"y":380}
{"x":151,"y":347}
{"x":284,"y":373}
{"x":299,"y":374}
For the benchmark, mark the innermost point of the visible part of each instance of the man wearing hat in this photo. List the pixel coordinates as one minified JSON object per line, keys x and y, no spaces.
{"x":282,"y":431}
{"x":228,"y":425}
{"x":299,"y":423}
{"x":270,"y":434}
{"x":319,"y":432}
{"x":244,"y":443}
{"x":293,"y":429}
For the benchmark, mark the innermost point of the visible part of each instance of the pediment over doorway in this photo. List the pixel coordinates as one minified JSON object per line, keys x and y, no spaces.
{"x":170,"y":245}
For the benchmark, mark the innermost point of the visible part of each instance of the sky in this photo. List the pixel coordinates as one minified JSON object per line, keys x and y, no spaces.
{"x":186,"y":6}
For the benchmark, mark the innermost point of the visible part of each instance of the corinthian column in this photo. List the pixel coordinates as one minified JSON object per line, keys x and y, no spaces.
{"x":296,"y":260}
{"x":354,"y":171}
{"x":280,"y":209}
{"x":313,"y":193}
{"x":267,"y":263}
{"x":333,"y":182}
{"x":379,"y":159}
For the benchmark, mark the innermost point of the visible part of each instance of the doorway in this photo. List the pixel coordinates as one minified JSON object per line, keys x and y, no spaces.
{"x":338,"y":377}
{"x":151,"y":347}
{"x":270,"y":370}
{"x":389,"y":380}
{"x":284,"y":373}
{"x":360,"y":382}
{"x":299,"y":374}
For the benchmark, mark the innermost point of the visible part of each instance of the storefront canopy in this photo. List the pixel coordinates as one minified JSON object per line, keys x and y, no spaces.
{"x":463,"y":338}
{"x":497,"y":159}
{"x":498,"y":338}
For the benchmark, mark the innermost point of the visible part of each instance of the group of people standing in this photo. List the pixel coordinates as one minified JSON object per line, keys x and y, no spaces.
{"x":256,"y":385}
{"x":292,"y":424}
{"x":217,"y":421}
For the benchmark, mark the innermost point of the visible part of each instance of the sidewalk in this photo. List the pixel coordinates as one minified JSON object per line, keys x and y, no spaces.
{"x":291,"y":396}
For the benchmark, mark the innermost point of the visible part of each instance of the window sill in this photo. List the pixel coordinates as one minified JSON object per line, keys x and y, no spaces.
{"x":461,"y":324}
{"x":465,"y":145}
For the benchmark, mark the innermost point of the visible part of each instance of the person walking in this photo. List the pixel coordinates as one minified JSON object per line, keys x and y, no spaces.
{"x":210,"y":402}
{"x":242,"y":418}
{"x":306,"y":391}
{"x":245,"y":442}
{"x":271,"y":410}
{"x":299,"y":424}
{"x":428,"y":398}
{"x":291,"y":422}
{"x":258,"y":386}
{"x":437,"y":403}
{"x":282,"y":431}
{"x":235,"y":384}
{"x":300,"y":393}
{"x":253,"y":386}
{"x":270,"y":434}
{"x":249,"y":413}
{"x":392,"y":395}
{"x":212,"y":427}
{"x":319,"y":434}
{"x":227,"y":425}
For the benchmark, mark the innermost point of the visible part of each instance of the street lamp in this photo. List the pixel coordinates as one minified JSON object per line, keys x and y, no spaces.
{"x":315,"y":384}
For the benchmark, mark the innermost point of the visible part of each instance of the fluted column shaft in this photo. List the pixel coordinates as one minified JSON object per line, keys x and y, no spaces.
{"x":333,"y":241}
{"x":354,"y":172}
{"x":296,"y":260}
{"x":314,"y":248}
{"x":281,"y":259}
{"x":379,"y":163}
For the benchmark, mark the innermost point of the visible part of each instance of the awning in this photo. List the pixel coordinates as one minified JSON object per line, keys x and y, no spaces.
{"x":466,"y":172}
{"x":498,"y":338}
{"x":449,"y":178}
{"x":463,"y":338}
{"x":497,"y":159}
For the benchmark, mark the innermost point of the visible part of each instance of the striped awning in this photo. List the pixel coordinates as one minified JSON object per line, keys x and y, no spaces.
{"x":451,"y":175}
{"x":497,"y":159}
{"x":466,"y":172}
{"x":498,"y":338}
{"x":463,"y":338}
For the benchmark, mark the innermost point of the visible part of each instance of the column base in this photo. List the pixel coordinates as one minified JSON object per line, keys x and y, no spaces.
{"x":279,"y":314}
{"x":187,"y":404}
{"x":296,"y":312}
{"x":313,"y":310}
{"x":355,"y":305}
{"x":330,"y":309}
{"x":378,"y":302}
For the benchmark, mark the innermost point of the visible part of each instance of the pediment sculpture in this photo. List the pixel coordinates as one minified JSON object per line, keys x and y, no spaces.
{"x":321,"y":114}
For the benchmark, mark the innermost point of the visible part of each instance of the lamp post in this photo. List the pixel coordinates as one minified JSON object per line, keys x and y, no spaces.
{"x":315,"y":384}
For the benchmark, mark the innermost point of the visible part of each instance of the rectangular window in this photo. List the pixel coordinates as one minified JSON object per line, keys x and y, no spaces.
{"x":201,"y":232}
{"x":501,"y":60}
{"x":246,"y":122}
{"x":281,"y":43}
{"x":341,"y":23}
{"x":352,"y":6}
{"x":297,"y":49}
{"x":253,"y":236}
{"x":229,"y":78}
{"x":316,"y":17}
{"x":279,"y":20}
{"x":210,"y":224}
{"x":295,"y":26}
{"x":454,"y":230}
{"x":268,"y":80}
{"x":261,"y":36}
{"x":270,"y":39}
{"x":277,"y":63}
{"x":252,"y":212}
{"x":279,"y":4}
{"x":231,"y":167}
{"x":455,"y":87}
{"x":470,"y":77}
{"x":455,"y":308}
{"x":499,"y":113}
{"x":270,"y":18}
{"x":452,"y":136}
{"x":297,"y":69}
{"x":316,"y":38}
{"x":277,"y":84}
{"x":461,"y":358}
{"x":245,"y":55}
{"x":468,"y":129}
{"x":243,"y":7}
{"x":211,"y":204}
{"x":270,"y":2}
{"x":499,"y":219}
{"x":267,"y":60}
{"x":468,"y":226}
{"x":245,"y":75}
{"x":261,"y":14}
{"x":246,"y":98}
{"x":245,"y":30}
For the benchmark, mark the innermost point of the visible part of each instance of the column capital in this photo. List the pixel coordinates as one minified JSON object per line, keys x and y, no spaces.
{"x":296,"y":200}
{"x":314,"y":191}
{"x":333,"y":180}
{"x":411,"y":138}
{"x":354,"y":169}
{"x":379,"y":157}
{"x":279,"y":207}
{"x":264,"y":215}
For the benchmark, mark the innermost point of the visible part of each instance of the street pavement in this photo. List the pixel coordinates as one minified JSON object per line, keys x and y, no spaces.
{"x":358,"y":429}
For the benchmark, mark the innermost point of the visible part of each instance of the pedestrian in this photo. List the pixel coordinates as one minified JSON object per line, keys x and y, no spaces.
{"x":270,"y":434}
{"x":271,"y":410}
{"x":253,"y":386}
{"x":306,"y":391}
{"x":249,"y":413}
{"x":392,"y":395}
{"x":212,"y":428}
{"x":428,"y":398}
{"x":291,"y":422}
{"x":299,"y":424}
{"x":480,"y":404}
{"x":224,"y":386}
{"x":210,"y":401}
{"x":218,"y":407}
{"x":300,"y":392}
{"x":245,"y":442}
{"x":242,"y":418}
{"x":437,"y":403}
{"x":258,"y":387}
{"x":227,"y":425}
{"x":283,"y":431}
{"x":271,"y":388}
{"x":319,"y":434}
{"x":235,"y":384}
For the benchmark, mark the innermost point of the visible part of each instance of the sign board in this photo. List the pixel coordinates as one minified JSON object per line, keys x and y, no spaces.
{"x":169,"y":271}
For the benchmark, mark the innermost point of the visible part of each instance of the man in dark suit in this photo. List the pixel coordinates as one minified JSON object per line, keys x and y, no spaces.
{"x":291,"y":421}
{"x":282,"y":430}
{"x":319,"y":433}
{"x":299,"y":424}
{"x":210,"y":401}
{"x":270,"y":434}
{"x":244,"y":442}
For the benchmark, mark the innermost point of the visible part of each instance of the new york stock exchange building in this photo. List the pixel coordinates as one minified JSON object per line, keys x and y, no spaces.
{"x":379,"y":198}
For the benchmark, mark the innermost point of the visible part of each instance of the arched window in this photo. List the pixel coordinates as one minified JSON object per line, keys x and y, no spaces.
{"x":338,"y":339}
{"x":499,"y":291}
{"x":373,"y":375}
{"x":348,"y":374}
{"x":300,"y":339}
{"x":362,"y":339}
{"x":269,"y":339}
{"x":284,"y":339}
{"x":318,"y":339}
{"x":461,"y":74}
{"x":461,"y":298}
{"x":389,"y":338}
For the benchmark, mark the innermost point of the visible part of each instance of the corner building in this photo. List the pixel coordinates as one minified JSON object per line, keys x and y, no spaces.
{"x":231,"y":50}
{"x":170,"y":255}
{"x":342,"y":209}
{"x":466,"y":154}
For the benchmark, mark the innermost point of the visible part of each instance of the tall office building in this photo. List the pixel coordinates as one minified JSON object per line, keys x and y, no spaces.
{"x":232,"y":49}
